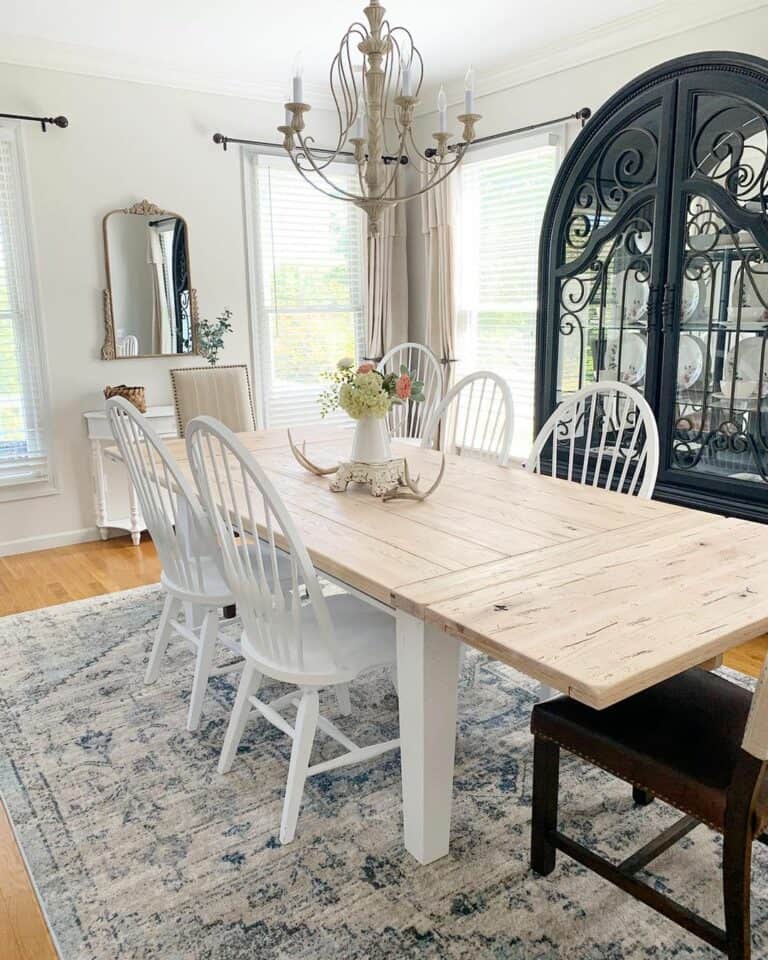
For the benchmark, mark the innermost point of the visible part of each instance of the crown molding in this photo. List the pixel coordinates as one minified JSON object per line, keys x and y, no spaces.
{"x":26,"y":51}
{"x":665,"y":19}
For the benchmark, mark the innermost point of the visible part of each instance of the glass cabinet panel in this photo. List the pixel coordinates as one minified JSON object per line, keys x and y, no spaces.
{"x":720,"y":385}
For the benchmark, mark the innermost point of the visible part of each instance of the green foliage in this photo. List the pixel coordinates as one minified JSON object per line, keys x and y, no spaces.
{"x":210,"y":336}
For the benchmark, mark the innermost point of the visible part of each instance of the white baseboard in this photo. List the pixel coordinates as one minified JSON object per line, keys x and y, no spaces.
{"x":45,"y":542}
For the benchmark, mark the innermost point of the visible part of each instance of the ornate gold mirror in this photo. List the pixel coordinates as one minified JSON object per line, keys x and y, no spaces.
{"x":150,"y":306}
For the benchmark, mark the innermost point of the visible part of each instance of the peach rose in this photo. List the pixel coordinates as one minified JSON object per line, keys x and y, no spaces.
{"x":403,"y":386}
{"x":366,"y":367}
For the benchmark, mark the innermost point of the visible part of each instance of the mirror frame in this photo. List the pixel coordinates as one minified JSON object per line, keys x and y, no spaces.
{"x":108,"y":350}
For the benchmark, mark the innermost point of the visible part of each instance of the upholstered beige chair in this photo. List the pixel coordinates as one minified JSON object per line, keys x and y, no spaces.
{"x":220,"y":392}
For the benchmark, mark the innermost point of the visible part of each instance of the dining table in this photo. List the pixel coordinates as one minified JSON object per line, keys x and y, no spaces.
{"x":595,"y":594}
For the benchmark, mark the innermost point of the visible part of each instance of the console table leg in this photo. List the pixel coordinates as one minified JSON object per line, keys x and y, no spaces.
{"x":99,"y":488}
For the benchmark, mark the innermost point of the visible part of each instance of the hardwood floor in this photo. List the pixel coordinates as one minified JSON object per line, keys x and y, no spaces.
{"x":32,"y":580}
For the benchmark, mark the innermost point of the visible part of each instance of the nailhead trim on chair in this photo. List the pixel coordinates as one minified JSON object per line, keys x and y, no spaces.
{"x":642,"y":786}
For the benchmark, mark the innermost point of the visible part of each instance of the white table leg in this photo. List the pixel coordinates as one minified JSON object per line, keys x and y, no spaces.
{"x":99,"y":488}
{"x":428,"y":674}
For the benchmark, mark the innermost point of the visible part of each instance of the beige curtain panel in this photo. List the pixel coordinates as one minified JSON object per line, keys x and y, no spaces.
{"x":438,"y":221}
{"x":386,"y":271}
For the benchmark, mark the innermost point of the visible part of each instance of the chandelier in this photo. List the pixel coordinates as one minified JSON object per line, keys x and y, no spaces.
{"x":375,"y":103}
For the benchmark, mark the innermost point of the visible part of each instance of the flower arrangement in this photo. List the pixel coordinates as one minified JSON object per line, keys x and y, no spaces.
{"x":365,"y":392}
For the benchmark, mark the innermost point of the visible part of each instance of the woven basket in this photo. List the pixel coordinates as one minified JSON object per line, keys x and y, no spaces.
{"x":134,"y":395}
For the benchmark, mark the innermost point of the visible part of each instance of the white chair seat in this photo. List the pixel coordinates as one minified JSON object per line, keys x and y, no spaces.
{"x":365,"y":637}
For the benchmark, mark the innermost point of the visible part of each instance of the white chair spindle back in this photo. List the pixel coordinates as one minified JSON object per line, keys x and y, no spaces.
{"x":408,"y":420}
{"x":169,"y":506}
{"x":604,"y":435}
{"x":243,"y":505}
{"x":475,"y":418}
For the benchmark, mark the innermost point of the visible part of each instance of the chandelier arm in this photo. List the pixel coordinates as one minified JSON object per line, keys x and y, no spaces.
{"x":318,"y":169}
{"x":435,"y":182}
{"x":430,"y":163}
{"x":315,"y":166}
{"x":320,"y":188}
{"x":396,"y":170}
{"x":337,"y":67}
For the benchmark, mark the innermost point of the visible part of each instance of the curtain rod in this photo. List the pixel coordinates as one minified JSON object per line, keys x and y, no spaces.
{"x":583,"y":114}
{"x":43,"y":121}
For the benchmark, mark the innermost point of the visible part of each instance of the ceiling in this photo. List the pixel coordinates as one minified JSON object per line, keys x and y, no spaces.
{"x":249,"y":45}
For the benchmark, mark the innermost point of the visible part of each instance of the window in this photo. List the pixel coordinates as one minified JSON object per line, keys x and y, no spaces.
{"x":24,"y":456}
{"x":307,"y":269}
{"x":502,"y":197}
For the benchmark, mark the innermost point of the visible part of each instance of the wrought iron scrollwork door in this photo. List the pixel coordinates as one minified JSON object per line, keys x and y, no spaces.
{"x":654,"y":271}
{"x":714,"y":405}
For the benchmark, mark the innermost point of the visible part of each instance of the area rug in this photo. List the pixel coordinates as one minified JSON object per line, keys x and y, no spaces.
{"x":139,"y":849}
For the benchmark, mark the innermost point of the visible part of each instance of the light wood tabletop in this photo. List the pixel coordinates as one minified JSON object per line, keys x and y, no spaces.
{"x":596,"y":594}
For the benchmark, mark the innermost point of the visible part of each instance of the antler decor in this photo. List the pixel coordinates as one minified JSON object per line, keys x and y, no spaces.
{"x":390,"y":481}
{"x":412,"y":491}
{"x":304,"y":460}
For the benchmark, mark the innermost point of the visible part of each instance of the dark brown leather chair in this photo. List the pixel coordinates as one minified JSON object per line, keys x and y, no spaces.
{"x":697,"y":741}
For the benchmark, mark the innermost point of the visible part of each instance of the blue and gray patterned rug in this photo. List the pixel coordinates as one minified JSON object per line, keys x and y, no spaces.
{"x":139,"y":849}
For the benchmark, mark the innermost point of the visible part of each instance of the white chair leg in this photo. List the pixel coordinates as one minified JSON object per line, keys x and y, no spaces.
{"x":249,"y":684}
{"x":303,"y":738}
{"x":170,"y":611}
{"x":342,"y":698}
{"x":206,"y":648}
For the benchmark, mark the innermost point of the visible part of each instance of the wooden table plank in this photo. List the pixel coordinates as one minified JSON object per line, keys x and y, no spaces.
{"x":616,"y":621}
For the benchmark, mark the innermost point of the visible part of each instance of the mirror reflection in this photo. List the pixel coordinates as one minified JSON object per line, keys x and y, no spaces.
{"x":149,"y":302}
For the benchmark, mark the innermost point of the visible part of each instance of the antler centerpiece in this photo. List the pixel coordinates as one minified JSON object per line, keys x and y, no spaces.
{"x":390,"y":479}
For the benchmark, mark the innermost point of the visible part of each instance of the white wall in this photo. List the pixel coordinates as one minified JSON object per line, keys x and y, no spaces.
{"x":125,"y":141}
{"x":564,"y":92}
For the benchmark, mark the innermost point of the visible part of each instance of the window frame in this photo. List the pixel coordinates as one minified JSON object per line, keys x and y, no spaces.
{"x":32,"y":488}
{"x":556,"y":137}
{"x":249,"y":158}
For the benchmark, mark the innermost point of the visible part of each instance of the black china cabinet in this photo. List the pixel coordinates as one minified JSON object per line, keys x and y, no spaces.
{"x":654,"y":271}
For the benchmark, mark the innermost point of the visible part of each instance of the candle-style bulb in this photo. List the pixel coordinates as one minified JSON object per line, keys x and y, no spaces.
{"x":407,"y":77}
{"x":469,"y":90}
{"x":298,"y":78}
{"x":442,"y":110}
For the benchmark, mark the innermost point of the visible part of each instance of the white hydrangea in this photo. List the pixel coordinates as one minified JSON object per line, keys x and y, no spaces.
{"x":364,"y":397}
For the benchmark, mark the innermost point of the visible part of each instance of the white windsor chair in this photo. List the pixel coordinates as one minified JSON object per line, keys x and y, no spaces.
{"x":476,"y":418}
{"x":604,"y":435}
{"x":322,"y":643}
{"x":408,"y":420}
{"x":184,"y":542}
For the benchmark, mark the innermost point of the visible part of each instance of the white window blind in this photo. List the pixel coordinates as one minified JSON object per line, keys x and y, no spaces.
{"x":308,"y":250}
{"x":24,"y":455}
{"x":502,"y":197}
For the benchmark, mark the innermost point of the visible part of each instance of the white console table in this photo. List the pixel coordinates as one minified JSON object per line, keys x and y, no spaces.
{"x":163,"y":419}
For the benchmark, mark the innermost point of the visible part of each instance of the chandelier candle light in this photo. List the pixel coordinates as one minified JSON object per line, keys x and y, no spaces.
{"x":375,"y":119}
